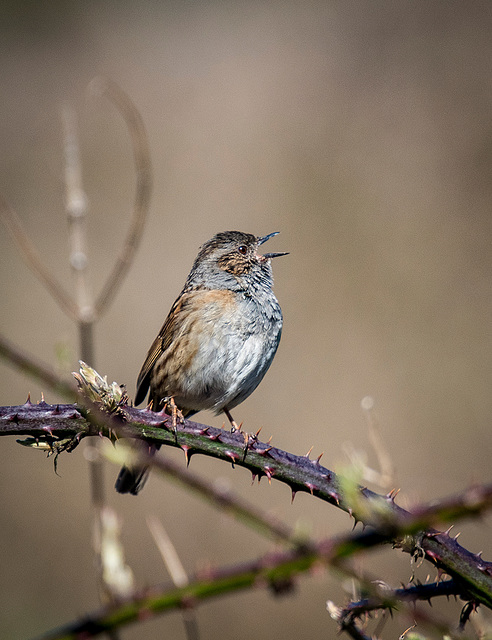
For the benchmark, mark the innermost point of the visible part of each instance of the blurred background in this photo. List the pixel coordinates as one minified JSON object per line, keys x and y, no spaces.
{"x":360,"y":130}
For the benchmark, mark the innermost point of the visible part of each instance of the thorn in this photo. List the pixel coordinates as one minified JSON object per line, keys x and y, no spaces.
{"x":264,"y":452}
{"x":28,"y":401}
{"x":258,"y":432}
{"x":48,"y":430}
{"x":204,"y":432}
{"x":233,"y":456}
{"x":310,"y":487}
{"x":56,"y":410}
{"x":252,"y":441}
{"x":187,"y":453}
{"x":293,"y":495}
{"x":457,"y":535}
{"x":432,"y":534}
{"x":336,"y":498}
{"x":236,"y":429}
{"x":42,"y":399}
{"x":307,"y":454}
{"x":269,"y":440}
{"x":269,"y":472}
{"x":446,"y":533}
{"x":392,"y":494}
{"x":479,"y":555}
{"x":253,"y":477}
{"x":316,"y":462}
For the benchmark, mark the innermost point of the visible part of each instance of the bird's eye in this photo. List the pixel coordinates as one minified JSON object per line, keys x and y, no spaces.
{"x":243,"y":249}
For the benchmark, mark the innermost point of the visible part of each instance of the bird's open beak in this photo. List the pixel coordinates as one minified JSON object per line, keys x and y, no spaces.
{"x":267,"y":256}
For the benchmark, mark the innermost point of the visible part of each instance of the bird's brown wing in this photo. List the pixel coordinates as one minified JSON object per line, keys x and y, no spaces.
{"x":143,"y":381}
{"x":160,"y":344}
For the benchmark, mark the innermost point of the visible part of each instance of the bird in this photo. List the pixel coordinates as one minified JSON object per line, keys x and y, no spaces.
{"x":218,"y":340}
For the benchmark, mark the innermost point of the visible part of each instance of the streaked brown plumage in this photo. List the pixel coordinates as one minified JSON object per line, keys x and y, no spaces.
{"x":219,"y":338}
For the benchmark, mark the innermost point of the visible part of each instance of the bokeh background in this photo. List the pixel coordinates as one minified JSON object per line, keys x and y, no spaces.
{"x":363,"y":132}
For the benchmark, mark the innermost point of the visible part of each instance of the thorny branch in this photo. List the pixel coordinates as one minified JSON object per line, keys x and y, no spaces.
{"x":382,"y":598}
{"x":409,"y":594}
{"x":52,"y":424}
{"x":276,"y":571}
{"x":299,"y":472}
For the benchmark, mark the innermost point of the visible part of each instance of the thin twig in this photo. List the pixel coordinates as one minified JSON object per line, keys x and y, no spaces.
{"x":176,"y":570}
{"x":168,"y":552}
{"x":387,"y":473}
{"x":76,"y":207}
{"x":33,"y":260}
{"x":36,"y":369}
{"x":227,"y":500}
{"x":143,"y":169}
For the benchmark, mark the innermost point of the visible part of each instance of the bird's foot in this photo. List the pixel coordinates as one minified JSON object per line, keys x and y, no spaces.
{"x":176,"y":415}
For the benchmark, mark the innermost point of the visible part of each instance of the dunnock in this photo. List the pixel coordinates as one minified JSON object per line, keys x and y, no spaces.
{"x":219,"y":338}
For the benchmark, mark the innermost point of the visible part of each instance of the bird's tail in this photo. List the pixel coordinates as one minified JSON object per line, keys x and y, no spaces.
{"x":132,"y":479}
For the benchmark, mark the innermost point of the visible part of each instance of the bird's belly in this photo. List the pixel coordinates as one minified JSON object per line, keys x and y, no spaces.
{"x":226,"y":368}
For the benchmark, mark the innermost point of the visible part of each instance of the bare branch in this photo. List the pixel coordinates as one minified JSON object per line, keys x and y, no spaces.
{"x":143,"y":168}
{"x":226,"y":500}
{"x":176,"y":570}
{"x":33,"y":260}
{"x":76,"y":206}
{"x":36,"y":369}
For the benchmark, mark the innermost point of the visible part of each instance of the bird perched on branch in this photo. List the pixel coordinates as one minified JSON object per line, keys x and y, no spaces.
{"x":219,"y":338}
